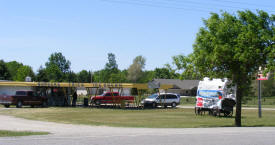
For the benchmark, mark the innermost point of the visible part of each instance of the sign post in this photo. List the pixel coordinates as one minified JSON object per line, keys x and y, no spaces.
{"x":260,"y":78}
{"x":259,"y":99}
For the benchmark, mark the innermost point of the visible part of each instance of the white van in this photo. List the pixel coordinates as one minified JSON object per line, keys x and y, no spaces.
{"x":166,"y":99}
{"x":215,"y":96}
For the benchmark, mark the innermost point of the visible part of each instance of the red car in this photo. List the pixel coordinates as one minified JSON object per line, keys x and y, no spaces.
{"x":111,"y":98}
{"x":23,"y":98}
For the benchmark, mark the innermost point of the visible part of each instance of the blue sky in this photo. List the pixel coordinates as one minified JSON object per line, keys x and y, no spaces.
{"x":86,"y":30}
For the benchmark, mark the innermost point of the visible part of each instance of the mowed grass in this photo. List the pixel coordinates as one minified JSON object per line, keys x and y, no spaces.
{"x":151,"y":118}
{"x":6,"y":133}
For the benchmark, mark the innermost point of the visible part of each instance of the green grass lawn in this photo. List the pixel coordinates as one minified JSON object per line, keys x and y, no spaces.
{"x":151,"y":118}
{"x":5,"y":133}
{"x":267,"y":102}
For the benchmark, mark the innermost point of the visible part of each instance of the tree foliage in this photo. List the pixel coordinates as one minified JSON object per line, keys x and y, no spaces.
{"x":42,"y":75}
{"x":23,"y":72}
{"x":84,"y":76}
{"x":268,"y":86}
{"x":185,"y":63}
{"x":13,"y":67}
{"x":54,"y":73}
{"x":4,"y":73}
{"x":136,"y":69}
{"x":235,"y":46}
{"x":165,"y":73}
{"x":147,"y":76}
{"x":60,"y":61}
{"x":111,"y":65}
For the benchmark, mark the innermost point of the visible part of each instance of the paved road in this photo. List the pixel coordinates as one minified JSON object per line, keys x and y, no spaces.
{"x":67,"y":134}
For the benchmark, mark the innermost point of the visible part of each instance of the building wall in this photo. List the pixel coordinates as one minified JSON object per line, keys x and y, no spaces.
{"x":181,"y":92}
{"x":10,"y":90}
{"x":125,"y":92}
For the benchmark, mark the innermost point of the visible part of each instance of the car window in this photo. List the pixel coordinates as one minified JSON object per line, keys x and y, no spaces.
{"x":107,"y":94}
{"x":21,"y":93}
{"x":115,"y":94}
{"x":153,"y":96}
{"x":168,"y":97}
{"x":174,"y":97}
{"x":164,"y":96}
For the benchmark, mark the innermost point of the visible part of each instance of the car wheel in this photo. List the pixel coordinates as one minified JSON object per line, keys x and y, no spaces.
{"x":154,"y":105}
{"x":19,"y":104}
{"x":174,"y":105}
{"x":7,"y":106}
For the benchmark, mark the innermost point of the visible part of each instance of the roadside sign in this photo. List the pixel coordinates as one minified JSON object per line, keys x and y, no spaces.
{"x":262,"y":77}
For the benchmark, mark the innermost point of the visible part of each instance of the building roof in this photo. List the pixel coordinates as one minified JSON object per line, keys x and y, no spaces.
{"x":179,"y":84}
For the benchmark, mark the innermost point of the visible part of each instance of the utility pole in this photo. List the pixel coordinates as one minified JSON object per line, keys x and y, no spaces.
{"x":260,"y":77}
{"x":91,"y":76}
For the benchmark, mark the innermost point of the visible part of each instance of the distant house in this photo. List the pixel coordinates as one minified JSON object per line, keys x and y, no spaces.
{"x":181,"y":87}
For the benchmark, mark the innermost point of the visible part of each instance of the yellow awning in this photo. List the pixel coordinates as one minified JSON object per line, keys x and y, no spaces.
{"x":86,"y":85}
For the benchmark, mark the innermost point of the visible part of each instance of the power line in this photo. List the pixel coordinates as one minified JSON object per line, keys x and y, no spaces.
{"x":213,"y":3}
{"x":176,"y":4}
{"x":203,"y":4}
{"x":244,"y":3}
{"x":152,"y":5}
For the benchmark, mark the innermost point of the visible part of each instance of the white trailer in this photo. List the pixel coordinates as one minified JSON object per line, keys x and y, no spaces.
{"x":215,"y":96}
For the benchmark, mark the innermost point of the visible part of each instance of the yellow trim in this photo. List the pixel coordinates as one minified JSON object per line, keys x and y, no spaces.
{"x":86,"y":85}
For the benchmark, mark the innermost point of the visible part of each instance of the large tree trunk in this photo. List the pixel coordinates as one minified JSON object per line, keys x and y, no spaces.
{"x":238,"y":117}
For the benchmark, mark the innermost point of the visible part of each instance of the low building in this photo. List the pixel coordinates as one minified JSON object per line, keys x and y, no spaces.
{"x":181,"y":87}
{"x":95,"y":91}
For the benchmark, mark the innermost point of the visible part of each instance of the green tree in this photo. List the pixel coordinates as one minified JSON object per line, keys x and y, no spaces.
{"x":13,"y":67}
{"x":185,"y":64}
{"x":116,"y":78}
{"x":235,"y":46}
{"x":172,"y":71}
{"x":268,"y":86}
{"x":101,"y":76}
{"x":111,"y":71}
{"x":71,"y":77}
{"x":111,"y":65}
{"x":41,"y":75}
{"x":136,"y":69}
{"x":60,"y":61}
{"x":147,"y":76}
{"x":4,"y":73}
{"x":23,"y":72}
{"x":162,"y":73}
{"x":54,"y":74}
{"x":84,"y":76}
{"x":165,"y":73}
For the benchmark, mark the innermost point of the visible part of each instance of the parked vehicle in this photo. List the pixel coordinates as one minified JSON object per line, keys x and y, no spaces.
{"x":23,"y":98}
{"x":215,"y":96}
{"x":166,"y":99}
{"x":111,"y":98}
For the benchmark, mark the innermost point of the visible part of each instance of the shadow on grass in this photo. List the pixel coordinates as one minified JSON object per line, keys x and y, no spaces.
{"x":126,"y":108}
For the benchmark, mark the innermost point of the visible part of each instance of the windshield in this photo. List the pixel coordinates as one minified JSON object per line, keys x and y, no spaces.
{"x":153,"y":96}
{"x":209,"y":93}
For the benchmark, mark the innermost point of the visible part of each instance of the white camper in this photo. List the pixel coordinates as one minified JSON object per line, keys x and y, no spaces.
{"x":215,"y":96}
